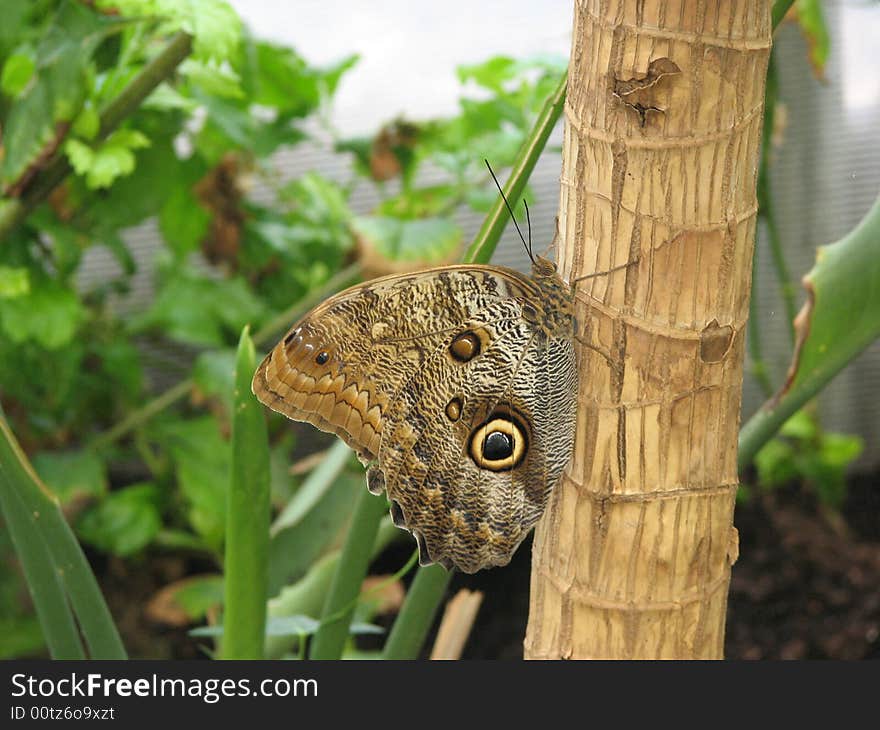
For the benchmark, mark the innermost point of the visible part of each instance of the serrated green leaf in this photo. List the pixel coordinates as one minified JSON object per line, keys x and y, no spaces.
{"x":49,"y":314}
{"x":124,"y":522}
{"x":215,"y":26}
{"x":80,"y":155}
{"x":87,"y":124}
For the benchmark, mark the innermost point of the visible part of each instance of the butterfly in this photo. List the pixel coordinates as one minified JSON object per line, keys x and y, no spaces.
{"x":456,"y":387}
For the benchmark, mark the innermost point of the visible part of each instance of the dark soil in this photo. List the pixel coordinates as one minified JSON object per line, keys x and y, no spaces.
{"x":806,"y":586}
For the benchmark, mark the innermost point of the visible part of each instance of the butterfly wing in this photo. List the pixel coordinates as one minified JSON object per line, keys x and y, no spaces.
{"x":385,"y":365}
{"x":469,"y":500}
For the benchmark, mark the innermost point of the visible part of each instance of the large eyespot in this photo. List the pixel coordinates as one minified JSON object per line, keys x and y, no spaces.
{"x":499,"y":443}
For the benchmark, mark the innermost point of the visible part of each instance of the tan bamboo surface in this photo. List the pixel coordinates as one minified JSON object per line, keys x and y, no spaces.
{"x":662,"y":135}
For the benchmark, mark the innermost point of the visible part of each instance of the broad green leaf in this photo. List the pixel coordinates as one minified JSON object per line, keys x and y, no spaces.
{"x":213,"y":77}
{"x":298,"y":541}
{"x":201,"y":311}
{"x":196,"y":595}
{"x":202,"y":460}
{"x":124,"y":522}
{"x":214,"y":374}
{"x":72,"y":474}
{"x":490,"y":74}
{"x":87,"y":124}
{"x":429,"y":239}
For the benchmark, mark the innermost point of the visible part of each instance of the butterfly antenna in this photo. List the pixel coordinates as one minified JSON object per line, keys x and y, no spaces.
{"x":527,"y":247}
{"x":529,"y":225}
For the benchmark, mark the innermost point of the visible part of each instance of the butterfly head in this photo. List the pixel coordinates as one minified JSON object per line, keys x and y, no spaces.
{"x":543,"y":268}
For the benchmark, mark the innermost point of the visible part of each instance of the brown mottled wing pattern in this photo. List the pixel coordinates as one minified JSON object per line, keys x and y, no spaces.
{"x":373,"y":365}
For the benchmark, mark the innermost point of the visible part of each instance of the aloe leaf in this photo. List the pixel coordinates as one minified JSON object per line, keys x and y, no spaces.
{"x":247,"y":517}
{"x":840,"y":318}
{"x":59,"y":576}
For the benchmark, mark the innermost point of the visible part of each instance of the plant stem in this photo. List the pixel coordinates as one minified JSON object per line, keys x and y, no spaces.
{"x":765,"y":199}
{"x":330,"y":638}
{"x":493,"y":226}
{"x":415,"y":618}
{"x":777,"y":13}
{"x":14,"y":211}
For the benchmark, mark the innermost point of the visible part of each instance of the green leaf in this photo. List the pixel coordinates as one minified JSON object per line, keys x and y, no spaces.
{"x":812,"y":21}
{"x":49,"y":314}
{"x":214,"y":374}
{"x":490,"y":74}
{"x":38,"y":119}
{"x":214,"y":78}
{"x":429,"y":239}
{"x":14,"y":282}
{"x":124,"y":522}
{"x":215,"y":26}
{"x":60,"y":580}
{"x":87,"y":124}
{"x":776,"y":464}
{"x":840,"y":319}
{"x":202,"y":460}
{"x":199,"y":594}
{"x":183,"y":221}
{"x":72,"y":475}
{"x":17,"y":72}
{"x":313,"y":518}
{"x":200,"y":311}
{"x":247,"y":517}
{"x":111,"y":160}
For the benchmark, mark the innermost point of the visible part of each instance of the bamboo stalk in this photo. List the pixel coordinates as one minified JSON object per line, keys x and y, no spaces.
{"x":663,"y":130}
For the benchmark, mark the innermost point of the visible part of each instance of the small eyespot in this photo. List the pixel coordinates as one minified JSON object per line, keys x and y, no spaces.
{"x":465,"y":346}
{"x":322,"y":357}
{"x":289,"y":338}
{"x":453,"y":409}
